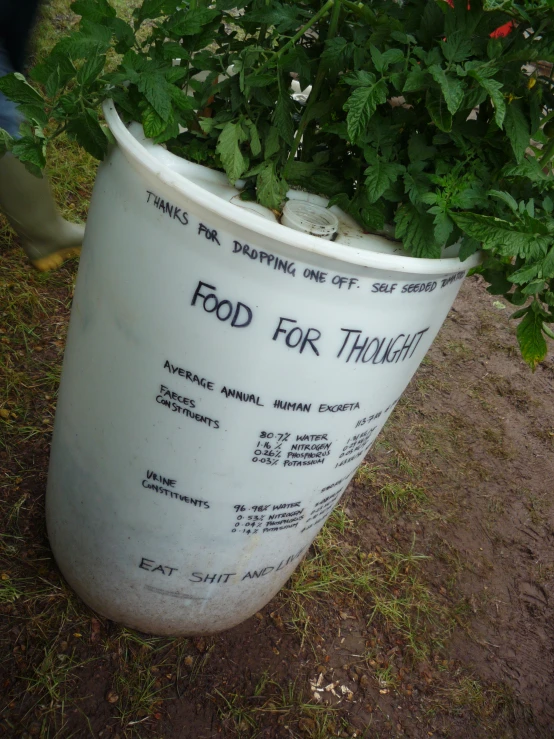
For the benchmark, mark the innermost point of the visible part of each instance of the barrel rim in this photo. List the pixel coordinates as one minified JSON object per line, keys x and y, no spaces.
{"x":275,"y":231}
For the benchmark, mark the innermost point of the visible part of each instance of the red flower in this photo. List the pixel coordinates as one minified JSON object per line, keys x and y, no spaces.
{"x":503,"y":31}
{"x":500,"y":32}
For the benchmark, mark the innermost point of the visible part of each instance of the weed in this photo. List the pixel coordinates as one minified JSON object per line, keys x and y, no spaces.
{"x":366,"y":474}
{"x":387,"y":584}
{"x":51,"y":682}
{"x":386,"y":677}
{"x":235,"y":715}
{"x":538,"y":505}
{"x":485,"y":702}
{"x":10,"y":590}
{"x":459,"y":349}
{"x":397,"y":497}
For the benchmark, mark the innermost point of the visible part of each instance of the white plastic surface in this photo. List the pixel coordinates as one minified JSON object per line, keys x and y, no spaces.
{"x":223,"y":379}
{"x":310,"y":219}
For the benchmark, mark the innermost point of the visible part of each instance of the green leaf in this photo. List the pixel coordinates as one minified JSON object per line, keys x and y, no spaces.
{"x":94,"y":10}
{"x":430,"y":198}
{"x":548,"y":264}
{"x":524,"y":274}
{"x":255,"y":143}
{"x":493,"y":88}
{"x":452,"y":89}
{"x":91,"y":39}
{"x":297,"y":171}
{"x":90,"y":69}
{"x":443,"y":226}
{"x":30,"y":151}
{"x":418,"y":150}
{"x":468,"y":247}
{"x":54,"y":72}
{"x":416,"y":80}
{"x":498,"y":284}
{"x":506,"y":198}
{"x":438,"y":110}
{"x":518,"y":130}
{"x":457,"y":47}
{"x":284,"y":17}
{"x":207,"y":124}
{"x":372,"y":216}
{"x":34,"y":113}
{"x":529,"y":168}
{"x":361,"y":78}
{"x":520,"y":313}
{"x":194,"y":21}
{"x":228,"y":148}
{"x":259,"y":80}
{"x":432,"y":23}
{"x":534,"y":287}
{"x":86,"y":129}
{"x":271,"y":189}
{"x":16,"y":88}
{"x":155,"y":89}
{"x":416,"y":232}
{"x":403,"y":38}
{"x":517,"y":297}
{"x":361,"y":105}
{"x":334,"y":53}
{"x":180,"y":98}
{"x":5,"y":142}
{"x":149,"y":9}
{"x":392,"y":56}
{"x":123,"y":33}
{"x":470,"y":197}
{"x":175,"y":74}
{"x":416,"y":184}
{"x":53,"y":83}
{"x":272,"y":144}
{"x":283,"y":118}
{"x":171,"y":130}
{"x":494,"y":48}
{"x":531,"y":341}
{"x":500,"y":235}
{"x":376,"y":58}
{"x":152,"y":123}
{"x":379,"y":176}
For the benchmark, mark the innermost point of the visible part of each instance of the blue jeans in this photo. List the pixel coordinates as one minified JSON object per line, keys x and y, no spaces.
{"x":10,"y":117}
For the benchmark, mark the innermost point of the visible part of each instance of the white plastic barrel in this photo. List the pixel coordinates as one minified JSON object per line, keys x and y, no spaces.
{"x":224,"y":377}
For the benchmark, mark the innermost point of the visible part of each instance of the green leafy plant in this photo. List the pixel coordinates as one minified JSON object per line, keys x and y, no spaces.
{"x":430,"y":122}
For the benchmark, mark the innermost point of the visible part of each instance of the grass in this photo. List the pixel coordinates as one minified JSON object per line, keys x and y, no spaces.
{"x":396,"y":497}
{"x":495,"y":706}
{"x":387,"y":585}
{"x":296,"y":717}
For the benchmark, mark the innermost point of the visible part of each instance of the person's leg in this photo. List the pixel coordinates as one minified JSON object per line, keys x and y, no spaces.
{"x":10,"y":117}
{"x":27,"y":202}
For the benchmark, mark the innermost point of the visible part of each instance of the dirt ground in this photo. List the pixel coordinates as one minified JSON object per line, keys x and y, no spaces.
{"x":424,"y":608}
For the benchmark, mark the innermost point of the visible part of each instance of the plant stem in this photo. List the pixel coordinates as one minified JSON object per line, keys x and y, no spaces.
{"x":316,"y":89}
{"x":320,"y":13}
{"x":262,"y":33}
{"x":360,"y":11}
{"x":547,"y":153}
{"x":263,"y":27}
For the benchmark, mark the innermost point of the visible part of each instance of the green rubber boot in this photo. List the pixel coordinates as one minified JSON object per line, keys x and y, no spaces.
{"x":27,"y":202}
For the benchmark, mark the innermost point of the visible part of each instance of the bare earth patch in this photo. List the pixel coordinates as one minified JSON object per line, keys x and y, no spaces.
{"x":424,"y":608}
